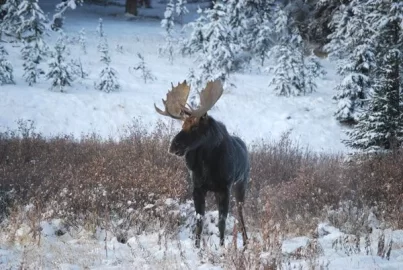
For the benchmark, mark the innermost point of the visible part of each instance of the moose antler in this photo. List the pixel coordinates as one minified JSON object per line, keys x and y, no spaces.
{"x":208,"y":97}
{"x":175,"y":101}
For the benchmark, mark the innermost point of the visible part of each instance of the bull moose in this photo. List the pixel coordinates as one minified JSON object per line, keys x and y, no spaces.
{"x":216,"y":161}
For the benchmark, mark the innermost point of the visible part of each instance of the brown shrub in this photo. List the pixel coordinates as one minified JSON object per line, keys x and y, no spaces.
{"x":79,"y":177}
{"x":91,"y":178}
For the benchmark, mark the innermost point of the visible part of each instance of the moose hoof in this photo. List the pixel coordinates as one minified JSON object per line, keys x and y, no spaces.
{"x":197,"y":243}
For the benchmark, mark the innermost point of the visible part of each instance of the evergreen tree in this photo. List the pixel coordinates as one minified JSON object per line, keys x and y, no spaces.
{"x":381,"y":127}
{"x":313,"y":70}
{"x":251,"y":25}
{"x":195,"y":43}
{"x":82,"y":41}
{"x":168,"y":24}
{"x":283,"y":72}
{"x":289,"y":73}
{"x":262,"y":38}
{"x":31,"y":31}
{"x":6,"y":69}
{"x":216,"y":59}
{"x":77,"y":69}
{"x":11,"y":20}
{"x":58,"y":17}
{"x":352,"y":41}
{"x":108,"y":81}
{"x":320,"y":27}
{"x":59,"y":70}
{"x":145,"y":71}
{"x":101,"y":33}
{"x":181,"y":10}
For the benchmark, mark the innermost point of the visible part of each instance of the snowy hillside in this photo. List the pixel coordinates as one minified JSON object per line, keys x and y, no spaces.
{"x":250,"y":109}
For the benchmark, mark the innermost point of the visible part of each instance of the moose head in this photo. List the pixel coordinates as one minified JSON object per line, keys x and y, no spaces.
{"x":196,"y":128}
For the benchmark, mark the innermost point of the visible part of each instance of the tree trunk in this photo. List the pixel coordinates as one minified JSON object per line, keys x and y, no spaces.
{"x":131,"y":7}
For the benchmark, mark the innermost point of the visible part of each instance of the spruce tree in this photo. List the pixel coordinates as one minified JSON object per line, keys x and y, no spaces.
{"x":145,"y":71}
{"x":168,"y":24}
{"x":381,"y":127}
{"x":82,"y":41}
{"x":11,"y":20}
{"x":6,"y":69}
{"x":283,"y":75}
{"x":262,"y":38}
{"x":31,"y":30}
{"x":59,"y":70}
{"x":352,"y":42}
{"x":216,"y":59}
{"x":195,"y":43}
{"x":313,"y":70}
{"x":181,"y":10}
{"x":101,"y":33}
{"x":58,"y":17}
{"x":108,"y":81}
{"x":289,"y":73}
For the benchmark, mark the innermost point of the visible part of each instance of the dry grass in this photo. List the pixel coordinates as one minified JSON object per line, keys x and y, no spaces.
{"x":92,"y":180}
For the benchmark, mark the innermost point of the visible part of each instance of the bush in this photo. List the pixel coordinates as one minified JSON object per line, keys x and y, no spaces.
{"x":90,"y":180}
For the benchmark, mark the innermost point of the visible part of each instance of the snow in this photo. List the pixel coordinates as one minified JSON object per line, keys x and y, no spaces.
{"x":249,"y":108}
{"x":80,"y":248}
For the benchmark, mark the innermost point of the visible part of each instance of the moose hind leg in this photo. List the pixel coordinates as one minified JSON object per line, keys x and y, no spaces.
{"x":240,"y":192}
{"x":223,"y":205}
{"x":199,"y":196}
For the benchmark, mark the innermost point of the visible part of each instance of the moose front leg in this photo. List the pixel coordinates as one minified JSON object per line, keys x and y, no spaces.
{"x":223,"y":205}
{"x":199,"y":196}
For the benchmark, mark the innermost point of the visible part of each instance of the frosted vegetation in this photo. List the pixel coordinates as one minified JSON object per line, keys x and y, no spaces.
{"x":314,"y":88}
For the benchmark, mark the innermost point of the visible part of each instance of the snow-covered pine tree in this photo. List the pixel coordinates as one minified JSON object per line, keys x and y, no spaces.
{"x":251,"y":27}
{"x":289,"y":73}
{"x":145,"y":71}
{"x":31,"y":30}
{"x":82,"y":41}
{"x":283,"y":72}
{"x":381,"y":127}
{"x":313,"y":70}
{"x":352,"y":42}
{"x":262,"y":40}
{"x":77,"y":68}
{"x":101,"y":33}
{"x":59,"y":70}
{"x":168,"y":24}
{"x":194,"y":80}
{"x":247,"y":27}
{"x":216,"y":59}
{"x":58,"y":17}
{"x":6,"y":69}
{"x":195,"y":43}
{"x":295,"y":73}
{"x":181,"y":9}
{"x":11,"y":20}
{"x":108,"y":81}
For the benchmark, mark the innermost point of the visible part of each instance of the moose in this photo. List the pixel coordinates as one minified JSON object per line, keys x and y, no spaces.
{"x":217,"y":162}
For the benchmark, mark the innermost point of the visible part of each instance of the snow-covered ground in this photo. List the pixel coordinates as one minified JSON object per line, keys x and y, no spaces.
{"x":249,"y":109}
{"x":79,"y":248}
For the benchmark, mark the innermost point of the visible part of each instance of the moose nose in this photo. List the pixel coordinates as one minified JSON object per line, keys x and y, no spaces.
{"x":175,"y":150}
